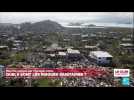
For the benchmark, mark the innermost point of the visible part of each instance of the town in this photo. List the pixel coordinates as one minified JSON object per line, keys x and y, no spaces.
{"x":47,"y":44}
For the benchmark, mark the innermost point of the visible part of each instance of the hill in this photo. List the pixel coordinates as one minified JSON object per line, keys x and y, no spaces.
{"x":41,"y":27}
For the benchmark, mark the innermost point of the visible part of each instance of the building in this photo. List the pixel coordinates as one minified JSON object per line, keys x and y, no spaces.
{"x":126,"y":40}
{"x":3,"y":47}
{"x":76,"y":36}
{"x":87,"y":48}
{"x":84,"y":35}
{"x":101,"y":57}
{"x":2,"y":70}
{"x":62,"y":53}
{"x":91,"y":48}
{"x":126,"y":44}
{"x":73,"y":55}
{"x":62,"y":56}
{"x":127,"y":47}
{"x":71,"y":51}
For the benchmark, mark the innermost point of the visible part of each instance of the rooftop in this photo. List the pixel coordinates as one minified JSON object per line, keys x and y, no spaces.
{"x":84,"y":35}
{"x":87,"y":46}
{"x":126,"y":39}
{"x":1,"y":47}
{"x":62,"y":53}
{"x":17,"y":41}
{"x":73,"y":51}
{"x":84,"y":40}
{"x":76,"y":34}
{"x":101,"y":54}
{"x":126,"y":44}
{"x":52,"y":55}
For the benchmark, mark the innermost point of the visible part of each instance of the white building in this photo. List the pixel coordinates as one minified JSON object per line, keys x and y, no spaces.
{"x":71,"y":51}
{"x":84,"y":36}
{"x":101,"y":57}
{"x":62,"y":54}
{"x":126,"y":45}
{"x":3,"y":47}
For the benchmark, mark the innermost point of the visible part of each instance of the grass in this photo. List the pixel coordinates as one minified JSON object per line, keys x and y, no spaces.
{"x":44,"y":82}
{"x":47,"y":83}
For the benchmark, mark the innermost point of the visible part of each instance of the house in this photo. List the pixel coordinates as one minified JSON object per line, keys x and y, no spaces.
{"x":76,"y":36}
{"x":126,"y":40}
{"x":62,"y":56}
{"x":128,"y":47}
{"x":62,"y":53}
{"x":90,"y":48}
{"x":84,"y":35}
{"x":101,"y":57}
{"x":71,"y":51}
{"x":3,"y":47}
{"x":73,"y":55}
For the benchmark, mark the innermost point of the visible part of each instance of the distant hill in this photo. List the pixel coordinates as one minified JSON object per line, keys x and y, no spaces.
{"x":42,"y":26}
{"x":48,"y":26}
{"x":5,"y":24}
{"x":9,"y":27}
{"x":91,"y":25}
{"x":75,"y":24}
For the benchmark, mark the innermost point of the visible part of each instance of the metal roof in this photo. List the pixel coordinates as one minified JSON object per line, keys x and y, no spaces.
{"x":3,"y":47}
{"x":73,"y":51}
{"x":62,"y":53}
{"x":101,"y":54}
{"x":87,"y":46}
{"x":126,"y":44}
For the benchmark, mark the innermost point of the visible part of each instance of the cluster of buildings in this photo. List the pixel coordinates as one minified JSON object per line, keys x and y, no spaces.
{"x":127,"y":44}
{"x":71,"y":54}
{"x":55,"y":55}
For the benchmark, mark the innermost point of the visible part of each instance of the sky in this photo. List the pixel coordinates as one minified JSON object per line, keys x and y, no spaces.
{"x":113,"y":18}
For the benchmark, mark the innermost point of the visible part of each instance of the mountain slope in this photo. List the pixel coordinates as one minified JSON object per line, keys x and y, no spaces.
{"x":43,"y":26}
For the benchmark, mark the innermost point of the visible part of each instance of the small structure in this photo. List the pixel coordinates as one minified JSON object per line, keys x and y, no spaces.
{"x":17,"y":41}
{"x":126,"y":45}
{"x":84,"y":36}
{"x":71,"y":51}
{"x":87,"y":48}
{"x":124,"y":40}
{"x":90,"y":48}
{"x":65,"y":40}
{"x":62,"y":54}
{"x":52,"y":55}
{"x":3,"y":47}
{"x":84,"y":40}
{"x":76,"y":34}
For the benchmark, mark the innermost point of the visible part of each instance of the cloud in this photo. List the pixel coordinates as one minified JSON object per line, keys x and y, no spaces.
{"x":107,"y":17}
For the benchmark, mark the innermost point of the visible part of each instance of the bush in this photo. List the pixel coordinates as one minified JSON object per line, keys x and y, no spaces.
{"x":127,"y":59}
